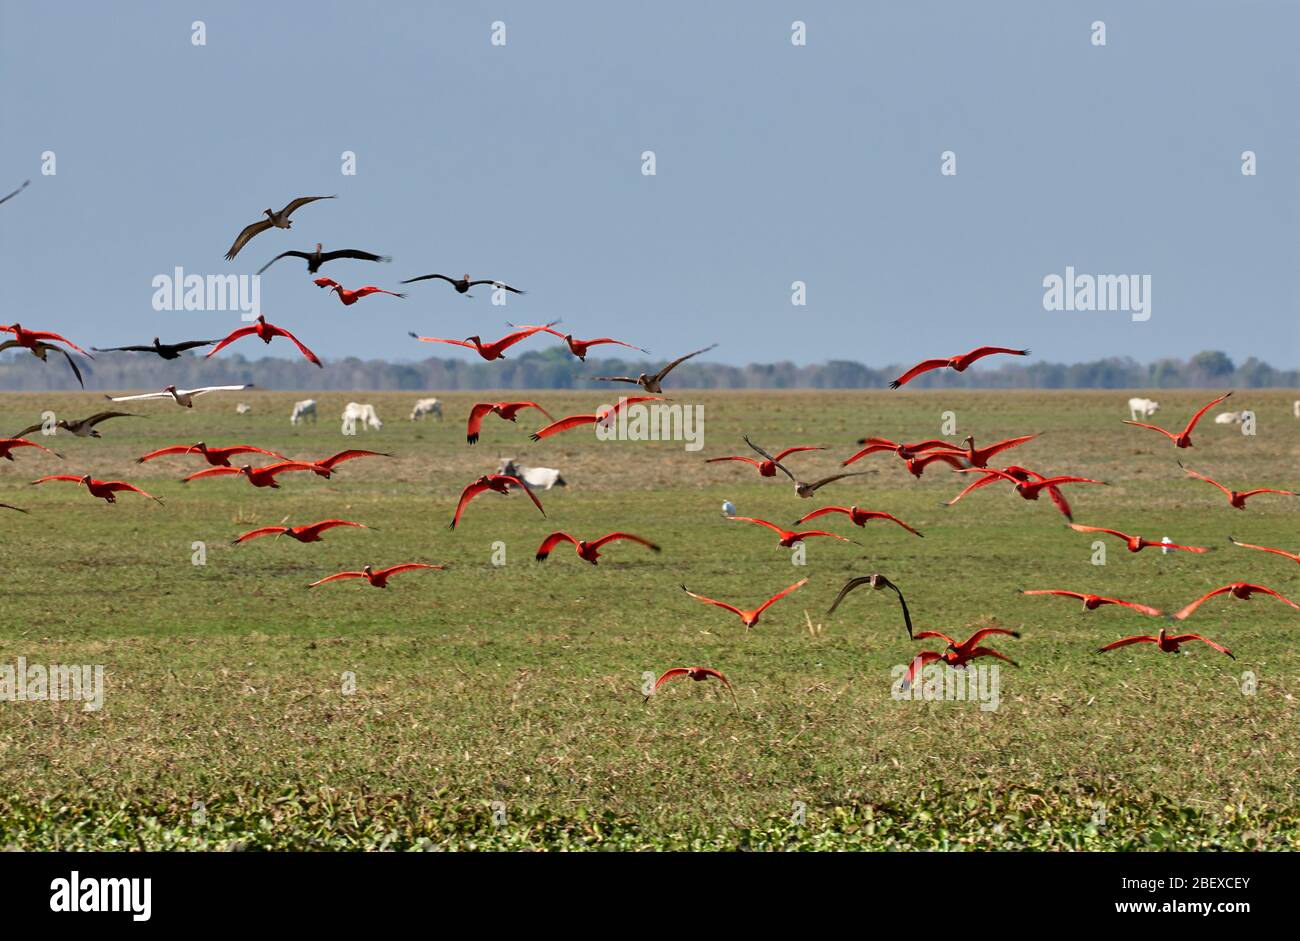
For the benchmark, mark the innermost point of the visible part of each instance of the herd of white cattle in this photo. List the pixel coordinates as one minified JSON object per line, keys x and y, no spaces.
{"x":1144,"y":408}
{"x":357,"y":416}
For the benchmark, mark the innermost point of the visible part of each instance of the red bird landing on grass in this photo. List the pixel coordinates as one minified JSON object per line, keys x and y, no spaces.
{"x":377,"y":577}
{"x":956,"y":654}
{"x":748,"y":617}
{"x":106,"y":490}
{"x":1237,"y":498}
{"x":957,"y":363}
{"x":1239,"y":590}
{"x":1182,"y":439}
{"x":351,"y":297}
{"x":765,"y":467}
{"x":698,"y":674}
{"x":306,"y":533}
{"x":1167,"y":642}
{"x":590,"y":551}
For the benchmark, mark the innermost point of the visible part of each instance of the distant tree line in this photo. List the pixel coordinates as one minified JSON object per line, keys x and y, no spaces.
{"x":555,"y":368}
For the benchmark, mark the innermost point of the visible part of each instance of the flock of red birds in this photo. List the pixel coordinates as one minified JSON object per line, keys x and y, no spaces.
{"x":965,"y":458}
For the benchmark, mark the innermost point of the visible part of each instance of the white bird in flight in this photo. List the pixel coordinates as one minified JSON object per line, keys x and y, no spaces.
{"x":183,"y":397}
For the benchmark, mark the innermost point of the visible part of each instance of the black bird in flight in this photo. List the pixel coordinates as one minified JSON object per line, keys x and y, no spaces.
{"x":165,"y":350}
{"x":317,"y":258}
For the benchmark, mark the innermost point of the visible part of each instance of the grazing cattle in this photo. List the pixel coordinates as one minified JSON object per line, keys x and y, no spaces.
{"x":1297,"y":408}
{"x":1142,"y":408}
{"x":1229,"y":418}
{"x":302,"y":411}
{"x":365,"y":414}
{"x":243,"y":408}
{"x":426,"y":407}
{"x":533,"y":477}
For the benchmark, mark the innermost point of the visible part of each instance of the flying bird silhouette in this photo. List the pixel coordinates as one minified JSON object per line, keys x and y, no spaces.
{"x":279,"y":220}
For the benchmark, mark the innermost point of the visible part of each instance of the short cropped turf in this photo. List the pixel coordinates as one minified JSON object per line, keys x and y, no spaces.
{"x":500,"y":706}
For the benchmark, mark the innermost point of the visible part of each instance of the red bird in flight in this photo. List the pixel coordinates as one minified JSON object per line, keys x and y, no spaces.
{"x":1025,"y":475}
{"x":326,"y":467}
{"x":916,"y":465}
{"x":498,"y":483}
{"x":1239,"y":590}
{"x":1093,"y":602}
{"x":579,"y":348}
{"x":1167,"y":642}
{"x":603,"y":417}
{"x":257,"y":476}
{"x":217,"y":457}
{"x":266,"y":332}
{"x":695,"y":673}
{"x":31,"y":339}
{"x":765,"y":467}
{"x":1184,"y":438}
{"x":489,"y":351}
{"x":590,"y":551}
{"x":905,"y":451}
{"x":1135,"y":543}
{"x":979,"y":457}
{"x":351,"y":297}
{"x":956,"y":654}
{"x":1237,"y":498}
{"x":786,"y":538}
{"x":377,"y":577}
{"x":857,"y":516}
{"x":1294,"y":557}
{"x":104,"y":489}
{"x":307,"y":533}
{"x":958,"y":363}
{"x":749,"y":617}
{"x":507,"y":410}
{"x":1029,"y":489}
{"x":7,"y":446}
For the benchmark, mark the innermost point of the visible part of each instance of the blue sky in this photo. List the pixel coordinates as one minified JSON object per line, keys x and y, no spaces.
{"x":775,"y":163}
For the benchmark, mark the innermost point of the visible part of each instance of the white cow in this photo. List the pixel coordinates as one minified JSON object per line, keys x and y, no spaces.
{"x":1142,"y":408}
{"x":533,"y":477}
{"x":243,"y":408}
{"x":302,"y":411}
{"x":1297,"y":408}
{"x":426,"y":407}
{"x":356,"y":412}
{"x":1229,"y":418}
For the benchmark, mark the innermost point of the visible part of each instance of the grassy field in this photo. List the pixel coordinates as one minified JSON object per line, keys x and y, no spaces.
{"x":521,"y":683}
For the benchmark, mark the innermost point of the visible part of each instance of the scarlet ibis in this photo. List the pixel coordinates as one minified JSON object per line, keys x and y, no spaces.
{"x":164,"y":350}
{"x":317,"y":258}
{"x":6,"y":199}
{"x":1182,"y":439}
{"x":588,"y":550}
{"x":765,"y":467}
{"x":325,"y":468}
{"x":1237,"y":498}
{"x":979,"y":457}
{"x":1093,"y":602}
{"x":1135,"y":543}
{"x":956,"y":654}
{"x":351,"y":297}
{"x":1239,"y":590}
{"x":1025,"y":475}
{"x":1030,"y":489}
{"x":802,"y":488}
{"x":695,"y":673}
{"x":377,"y":577}
{"x":857,"y":516}
{"x":310,"y":532}
{"x":81,"y":427}
{"x":279,"y":220}
{"x":653,"y":382}
{"x":916,"y":465}
{"x":266,"y":332}
{"x":489,"y":351}
{"x":182,"y":397}
{"x":959,"y":363}
{"x":905,"y":451}
{"x":879,"y":583}
{"x":748,"y":617}
{"x":498,"y":483}
{"x":579,"y":348}
{"x":462,"y":285}
{"x":507,"y":410}
{"x":30,"y":339}
{"x":104,"y":489}
{"x":257,"y":476}
{"x":7,"y":446}
{"x":1167,"y":642}
{"x":603,"y":417}
{"x":786,"y":538}
{"x":217,"y":457}
{"x":1294,"y":557}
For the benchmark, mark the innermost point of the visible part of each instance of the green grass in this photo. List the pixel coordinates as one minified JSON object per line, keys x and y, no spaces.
{"x":522,"y":683}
